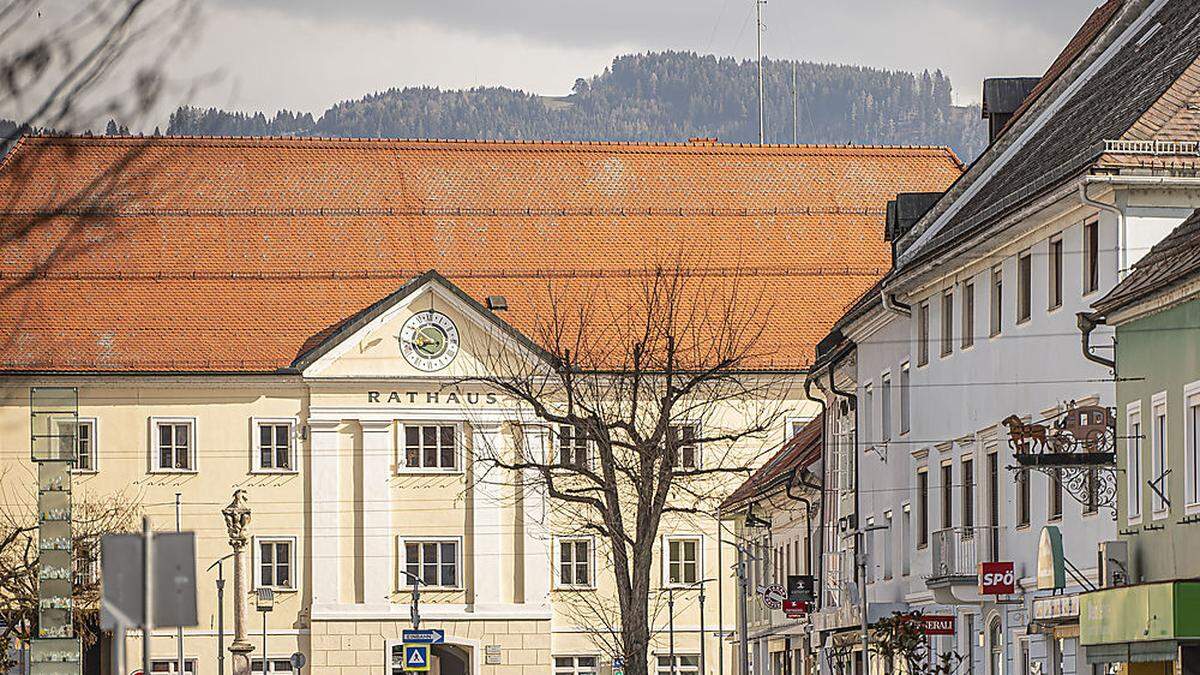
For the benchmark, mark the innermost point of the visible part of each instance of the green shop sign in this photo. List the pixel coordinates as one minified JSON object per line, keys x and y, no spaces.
{"x":1143,"y":613}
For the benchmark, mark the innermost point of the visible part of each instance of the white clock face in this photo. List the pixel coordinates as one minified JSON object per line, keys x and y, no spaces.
{"x":429,"y":340}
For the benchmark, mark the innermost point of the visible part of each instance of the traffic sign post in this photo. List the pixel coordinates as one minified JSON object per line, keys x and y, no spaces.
{"x":416,"y":657}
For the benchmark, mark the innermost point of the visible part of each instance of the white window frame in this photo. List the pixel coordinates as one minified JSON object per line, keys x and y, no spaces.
{"x":256,"y":445}
{"x":574,"y":668}
{"x":277,"y":657}
{"x":93,"y":454}
{"x":1160,"y":461}
{"x":156,"y":456}
{"x":947,"y":324}
{"x":1090,"y":262}
{"x":867,"y":433}
{"x":885,"y":406}
{"x":792,"y":425}
{"x":696,"y":431}
{"x":666,"y":559}
{"x":996,"y":301}
{"x":1135,"y":455}
{"x":557,"y":562}
{"x":256,"y":559}
{"x":869,"y":544}
{"x":905,"y":398}
{"x":189,"y":665}
{"x":889,"y":546}
{"x":967,"y":339}
{"x":907,"y":545}
{"x":922,"y":333}
{"x":1054,"y":280}
{"x":679,"y":669}
{"x":1191,"y":447}
{"x":402,"y":447}
{"x":402,"y":583}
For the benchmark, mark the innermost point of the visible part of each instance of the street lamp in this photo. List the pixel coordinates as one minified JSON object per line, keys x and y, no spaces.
{"x":695,"y":585}
{"x":415,"y":612}
{"x":220,"y":610}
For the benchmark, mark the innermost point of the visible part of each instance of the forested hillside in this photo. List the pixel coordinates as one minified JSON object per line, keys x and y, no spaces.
{"x":648,"y":97}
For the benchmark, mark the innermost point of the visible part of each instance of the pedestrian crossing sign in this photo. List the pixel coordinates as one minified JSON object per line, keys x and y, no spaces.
{"x":416,"y":657}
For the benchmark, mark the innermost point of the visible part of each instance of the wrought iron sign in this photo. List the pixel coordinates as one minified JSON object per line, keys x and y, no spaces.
{"x":1076,"y":447}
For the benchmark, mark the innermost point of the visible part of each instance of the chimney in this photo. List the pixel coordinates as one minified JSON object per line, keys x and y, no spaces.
{"x":904,"y":211}
{"x":1001,"y":98}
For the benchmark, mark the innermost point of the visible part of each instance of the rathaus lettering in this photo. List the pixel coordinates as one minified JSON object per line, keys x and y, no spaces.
{"x":434,"y":397}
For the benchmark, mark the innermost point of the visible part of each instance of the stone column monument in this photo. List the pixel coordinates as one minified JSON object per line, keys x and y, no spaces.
{"x":237,"y":519}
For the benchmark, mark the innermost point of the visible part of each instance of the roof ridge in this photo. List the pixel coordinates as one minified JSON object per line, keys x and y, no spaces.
{"x":465,"y":143}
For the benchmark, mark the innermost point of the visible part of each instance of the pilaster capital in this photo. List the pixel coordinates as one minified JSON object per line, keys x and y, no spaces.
{"x":323,"y":425}
{"x":376,"y":426}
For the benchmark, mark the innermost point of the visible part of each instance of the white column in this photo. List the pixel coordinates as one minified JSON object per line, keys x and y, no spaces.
{"x":378,"y":456}
{"x":325,"y":553}
{"x":487,"y":530}
{"x":536,"y":564}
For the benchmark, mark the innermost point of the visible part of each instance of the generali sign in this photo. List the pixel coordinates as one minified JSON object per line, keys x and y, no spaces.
{"x":997,"y":578}
{"x":937,"y":624}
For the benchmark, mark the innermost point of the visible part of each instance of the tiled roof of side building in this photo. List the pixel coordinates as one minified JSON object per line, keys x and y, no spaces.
{"x":234,"y":254}
{"x":1104,"y":107}
{"x":1172,"y":261}
{"x":800,"y":451}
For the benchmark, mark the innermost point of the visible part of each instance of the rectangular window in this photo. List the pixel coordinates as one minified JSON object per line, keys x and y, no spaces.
{"x":947,"y":323}
{"x":275,"y":562}
{"x":573,"y":447}
{"x":1024,"y":287}
{"x":435,"y":563}
{"x":683,"y":561}
{"x":685,"y":452}
{"x":905,"y":400}
{"x":888,"y":545}
{"x":1135,"y":460}
{"x":885,"y":407}
{"x":1055,"y":275}
{"x":277,"y":665}
{"x":947,"y":496}
{"x":993,"y":469}
{"x":867,"y":433}
{"x":575,"y":665}
{"x":872,"y":554}
{"x":86,"y":457}
{"x":922,"y":507}
{"x":906,"y":540}
{"x":685,"y":664}
{"x":273,"y":440}
{"x":172,"y":666}
{"x":174,"y":444}
{"x":1159,"y":478}
{"x":575,"y":563}
{"x":997,"y":300}
{"x":431,"y":446}
{"x":922,"y":334}
{"x":1024,"y":500}
{"x":1091,"y":257}
{"x":1191,"y":440}
{"x":1055,"y":494}
{"x":968,"y":314}
{"x":968,"y":496}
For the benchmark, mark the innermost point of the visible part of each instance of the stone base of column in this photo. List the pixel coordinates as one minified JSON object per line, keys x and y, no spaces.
{"x":241,"y":657}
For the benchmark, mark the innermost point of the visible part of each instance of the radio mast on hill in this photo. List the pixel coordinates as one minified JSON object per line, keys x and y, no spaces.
{"x":758,"y":5}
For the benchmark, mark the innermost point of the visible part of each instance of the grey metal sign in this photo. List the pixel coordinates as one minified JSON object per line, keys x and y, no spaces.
{"x":174,"y":580}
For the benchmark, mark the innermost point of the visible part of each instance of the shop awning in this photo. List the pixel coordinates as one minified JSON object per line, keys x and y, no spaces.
{"x":1142,"y":614}
{"x":1131,"y":652}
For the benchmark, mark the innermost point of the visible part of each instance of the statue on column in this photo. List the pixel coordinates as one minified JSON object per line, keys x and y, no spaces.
{"x":237,"y":519}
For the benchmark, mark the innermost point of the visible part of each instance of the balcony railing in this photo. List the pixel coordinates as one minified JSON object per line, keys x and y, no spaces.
{"x":957,"y":552}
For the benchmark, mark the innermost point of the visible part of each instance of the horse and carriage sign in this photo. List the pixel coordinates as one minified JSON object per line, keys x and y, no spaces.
{"x":1076,"y":447}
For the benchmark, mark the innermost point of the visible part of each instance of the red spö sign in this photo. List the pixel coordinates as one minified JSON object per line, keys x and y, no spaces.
{"x":997,"y":578}
{"x":937,"y":624}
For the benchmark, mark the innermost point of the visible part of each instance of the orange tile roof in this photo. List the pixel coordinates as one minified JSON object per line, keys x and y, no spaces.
{"x":232,"y":254}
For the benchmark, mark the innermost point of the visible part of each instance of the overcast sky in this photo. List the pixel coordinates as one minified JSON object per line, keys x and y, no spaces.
{"x":307,"y":54}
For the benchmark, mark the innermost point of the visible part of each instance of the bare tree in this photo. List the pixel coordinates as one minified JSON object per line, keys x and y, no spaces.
{"x":91,"y":520}
{"x":900,"y":641}
{"x":654,"y":397}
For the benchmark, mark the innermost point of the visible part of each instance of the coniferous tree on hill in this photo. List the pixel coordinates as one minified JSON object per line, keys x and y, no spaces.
{"x":665,"y":96}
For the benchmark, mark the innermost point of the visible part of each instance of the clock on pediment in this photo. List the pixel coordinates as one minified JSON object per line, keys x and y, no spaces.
{"x":429,"y":340}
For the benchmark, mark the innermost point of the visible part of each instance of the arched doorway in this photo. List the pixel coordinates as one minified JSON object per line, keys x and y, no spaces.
{"x":995,"y":647}
{"x":450,"y":660}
